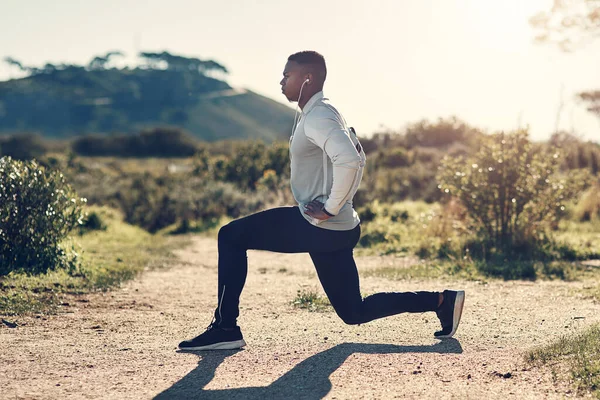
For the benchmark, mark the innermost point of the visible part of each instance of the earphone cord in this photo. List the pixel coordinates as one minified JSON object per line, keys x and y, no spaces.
{"x":297,"y":105}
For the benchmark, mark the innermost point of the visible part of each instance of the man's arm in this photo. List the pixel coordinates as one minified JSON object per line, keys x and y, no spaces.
{"x":330,"y":135}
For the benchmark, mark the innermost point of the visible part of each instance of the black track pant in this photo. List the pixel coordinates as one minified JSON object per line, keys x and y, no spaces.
{"x":284,"y":230}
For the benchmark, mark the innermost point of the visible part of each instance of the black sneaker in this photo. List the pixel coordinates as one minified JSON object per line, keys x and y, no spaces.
{"x":449,"y":313}
{"x":215,"y":338}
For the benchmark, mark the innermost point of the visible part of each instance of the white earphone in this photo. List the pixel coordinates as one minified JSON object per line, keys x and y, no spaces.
{"x":307,"y":80}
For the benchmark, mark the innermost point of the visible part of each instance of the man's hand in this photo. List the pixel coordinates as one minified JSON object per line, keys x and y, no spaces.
{"x":315,"y":210}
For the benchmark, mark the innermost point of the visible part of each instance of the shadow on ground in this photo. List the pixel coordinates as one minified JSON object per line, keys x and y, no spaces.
{"x":307,"y":380}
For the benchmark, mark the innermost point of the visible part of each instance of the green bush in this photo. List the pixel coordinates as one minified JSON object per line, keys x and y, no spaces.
{"x":157,"y":142}
{"x":38,"y":209}
{"x":391,"y":185}
{"x":246,"y":165}
{"x":441,"y":133}
{"x":25,"y":146}
{"x":92,"y":222}
{"x":155,"y":203}
{"x":588,"y":208}
{"x":512,"y":192}
{"x":393,"y":158}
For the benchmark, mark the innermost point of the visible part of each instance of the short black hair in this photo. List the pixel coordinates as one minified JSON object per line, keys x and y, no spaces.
{"x":311,"y":58}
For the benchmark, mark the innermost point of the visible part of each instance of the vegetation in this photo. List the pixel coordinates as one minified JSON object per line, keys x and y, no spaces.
{"x":402,"y":209}
{"x":569,"y":23}
{"x":61,"y":100}
{"x":575,"y":359}
{"x":157,"y":142}
{"x":110,"y":254}
{"x":38,"y":209}
{"x":511,"y":193}
{"x":311,"y":300}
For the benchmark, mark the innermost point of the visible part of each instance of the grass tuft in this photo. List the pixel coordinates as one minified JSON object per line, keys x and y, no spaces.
{"x":579,"y":354}
{"x":311,"y":300}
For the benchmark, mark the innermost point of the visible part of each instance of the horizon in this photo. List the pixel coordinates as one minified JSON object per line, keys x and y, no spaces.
{"x":435,"y":59}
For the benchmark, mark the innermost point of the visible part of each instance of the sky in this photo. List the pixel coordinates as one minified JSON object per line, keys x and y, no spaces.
{"x":390,"y":62}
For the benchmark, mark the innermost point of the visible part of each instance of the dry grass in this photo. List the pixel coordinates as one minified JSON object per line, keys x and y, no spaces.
{"x":108,"y":258}
{"x":576,"y":358}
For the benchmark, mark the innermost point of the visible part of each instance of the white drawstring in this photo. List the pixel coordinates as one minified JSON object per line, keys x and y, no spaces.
{"x":221,"y":304}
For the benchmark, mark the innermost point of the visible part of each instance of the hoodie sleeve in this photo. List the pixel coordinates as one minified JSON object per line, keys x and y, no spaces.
{"x":330,"y":135}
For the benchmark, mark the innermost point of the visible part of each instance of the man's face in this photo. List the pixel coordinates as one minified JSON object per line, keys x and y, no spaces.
{"x":293,"y":77}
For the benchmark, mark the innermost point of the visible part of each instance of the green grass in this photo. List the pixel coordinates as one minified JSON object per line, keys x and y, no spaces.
{"x":440,"y":236}
{"x":481,"y":271}
{"x":208,"y":228}
{"x":108,"y":258}
{"x":311,"y":300}
{"x":399,"y":228}
{"x":581,"y":238}
{"x":578,"y":356}
{"x":427,"y":270}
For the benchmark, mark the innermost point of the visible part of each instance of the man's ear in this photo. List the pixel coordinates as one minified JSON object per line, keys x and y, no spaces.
{"x":310,"y":78}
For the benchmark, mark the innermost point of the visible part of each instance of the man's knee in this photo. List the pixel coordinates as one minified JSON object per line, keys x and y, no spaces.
{"x":351,"y":317}
{"x":230,"y":232}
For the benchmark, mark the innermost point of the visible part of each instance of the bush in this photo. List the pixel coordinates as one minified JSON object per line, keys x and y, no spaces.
{"x":157,"y":142}
{"x":393,"y":158}
{"x":441,"y":133}
{"x":512,"y":193}
{"x":38,"y":209}
{"x":405,"y":183}
{"x":155,"y":203}
{"x":92,"y":222}
{"x":588,"y":208}
{"x":24,"y":146}
{"x":247,"y":165}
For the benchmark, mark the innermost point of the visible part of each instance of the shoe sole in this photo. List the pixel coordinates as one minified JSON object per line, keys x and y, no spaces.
{"x":237,"y":344}
{"x":458,"y":309}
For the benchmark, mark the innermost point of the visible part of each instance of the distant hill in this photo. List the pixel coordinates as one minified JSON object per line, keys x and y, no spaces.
{"x":67,"y":100}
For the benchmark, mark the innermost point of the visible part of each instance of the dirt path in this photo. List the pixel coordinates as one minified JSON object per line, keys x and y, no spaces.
{"x":122,"y":345}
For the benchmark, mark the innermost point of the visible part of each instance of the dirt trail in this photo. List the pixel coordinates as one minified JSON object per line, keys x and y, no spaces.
{"x":122,"y":345}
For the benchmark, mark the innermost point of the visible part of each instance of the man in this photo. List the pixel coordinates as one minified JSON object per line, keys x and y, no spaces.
{"x":326,"y":167}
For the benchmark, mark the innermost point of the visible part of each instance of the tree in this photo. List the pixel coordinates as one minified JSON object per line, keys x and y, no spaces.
{"x":99,"y":62}
{"x":180,"y":63}
{"x":15,"y":63}
{"x":29,"y":70}
{"x":570,"y":23}
{"x":593,"y":100}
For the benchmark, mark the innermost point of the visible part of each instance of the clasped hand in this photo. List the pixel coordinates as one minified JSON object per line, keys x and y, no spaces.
{"x":315,"y":210}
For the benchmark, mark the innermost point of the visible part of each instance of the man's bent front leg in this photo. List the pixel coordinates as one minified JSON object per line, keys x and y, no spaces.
{"x":282,"y":230}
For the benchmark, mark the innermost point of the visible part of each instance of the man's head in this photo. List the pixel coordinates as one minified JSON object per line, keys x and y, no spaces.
{"x":305,"y":66}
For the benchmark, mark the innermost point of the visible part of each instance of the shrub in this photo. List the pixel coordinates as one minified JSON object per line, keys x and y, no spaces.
{"x":24,"y":146}
{"x":38,"y":209}
{"x":247,"y":165}
{"x":588,"y":208}
{"x":92,"y":222}
{"x":393,"y":158}
{"x":512,"y":193}
{"x":405,"y":183}
{"x":441,"y":133}
{"x":157,"y":142}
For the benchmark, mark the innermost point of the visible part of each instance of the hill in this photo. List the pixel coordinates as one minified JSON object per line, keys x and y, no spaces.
{"x":61,"y":101}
